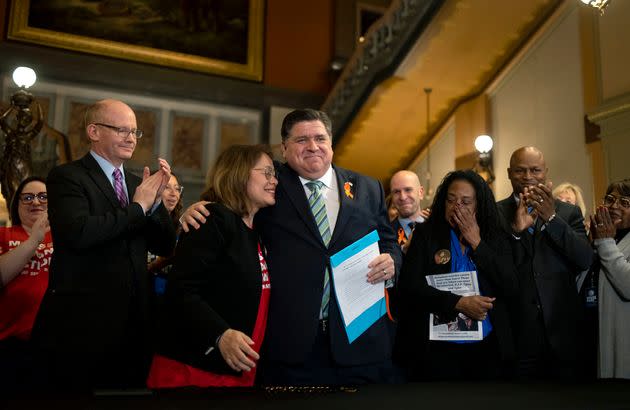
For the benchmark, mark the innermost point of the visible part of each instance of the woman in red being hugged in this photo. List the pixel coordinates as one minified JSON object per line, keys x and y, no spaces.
{"x":217,"y":299}
{"x":25,"y":250}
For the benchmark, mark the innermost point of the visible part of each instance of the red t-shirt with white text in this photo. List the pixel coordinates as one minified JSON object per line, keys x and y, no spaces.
{"x":20,"y":298}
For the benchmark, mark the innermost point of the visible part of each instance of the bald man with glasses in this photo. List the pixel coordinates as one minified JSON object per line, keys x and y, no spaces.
{"x":94,"y":320}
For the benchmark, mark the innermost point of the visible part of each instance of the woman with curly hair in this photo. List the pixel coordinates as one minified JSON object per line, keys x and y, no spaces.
{"x":463,"y":234}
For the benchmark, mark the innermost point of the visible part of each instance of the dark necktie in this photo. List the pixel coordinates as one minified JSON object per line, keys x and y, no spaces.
{"x":532,"y":228}
{"x":118,"y":187}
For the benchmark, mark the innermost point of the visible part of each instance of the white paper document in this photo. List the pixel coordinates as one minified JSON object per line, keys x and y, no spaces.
{"x":462,"y":328}
{"x":361,"y":303}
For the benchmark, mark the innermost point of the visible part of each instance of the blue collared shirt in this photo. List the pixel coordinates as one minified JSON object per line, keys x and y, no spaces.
{"x":404,"y":222}
{"x":108,"y":168}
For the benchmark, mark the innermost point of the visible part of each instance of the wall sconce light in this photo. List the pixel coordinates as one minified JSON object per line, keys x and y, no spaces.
{"x":483,"y":166}
{"x":598,"y":4}
{"x":20,"y":126}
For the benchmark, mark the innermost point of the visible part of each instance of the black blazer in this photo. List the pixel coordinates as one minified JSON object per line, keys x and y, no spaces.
{"x":297,"y":257}
{"x":215,"y":284}
{"x":547,"y":264}
{"x":495,"y":273}
{"x":98,"y":271}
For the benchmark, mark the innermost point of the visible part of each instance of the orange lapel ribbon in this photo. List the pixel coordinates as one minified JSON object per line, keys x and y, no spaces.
{"x":347,"y":188}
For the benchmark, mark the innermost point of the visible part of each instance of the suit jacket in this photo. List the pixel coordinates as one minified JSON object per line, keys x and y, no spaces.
{"x":547,"y":264}
{"x":215,"y":284}
{"x":98,"y":272}
{"x":297,"y":257}
{"x":496,"y":275}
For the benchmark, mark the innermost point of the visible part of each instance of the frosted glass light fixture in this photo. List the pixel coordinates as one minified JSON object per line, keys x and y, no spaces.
{"x":24,"y":77}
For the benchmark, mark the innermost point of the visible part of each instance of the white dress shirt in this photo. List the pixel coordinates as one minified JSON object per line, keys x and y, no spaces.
{"x":330,"y":192}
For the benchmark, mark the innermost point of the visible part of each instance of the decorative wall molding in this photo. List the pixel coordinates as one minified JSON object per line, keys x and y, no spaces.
{"x":613,"y":113}
{"x":613,"y":118}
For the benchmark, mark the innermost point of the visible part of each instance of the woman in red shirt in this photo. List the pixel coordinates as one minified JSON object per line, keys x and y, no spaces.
{"x":215,"y":306}
{"x":25,"y":251}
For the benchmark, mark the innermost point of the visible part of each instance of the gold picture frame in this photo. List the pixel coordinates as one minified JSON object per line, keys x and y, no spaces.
{"x":20,"y":30}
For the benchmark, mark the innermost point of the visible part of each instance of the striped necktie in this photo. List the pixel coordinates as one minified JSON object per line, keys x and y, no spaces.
{"x":318,"y":208}
{"x":118,"y":187}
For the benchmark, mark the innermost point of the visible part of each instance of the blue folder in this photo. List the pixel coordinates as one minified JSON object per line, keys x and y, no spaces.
{"x":360,"y":324}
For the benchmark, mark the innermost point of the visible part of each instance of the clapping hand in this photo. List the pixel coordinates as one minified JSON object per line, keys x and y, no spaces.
{"x":540,"y":199}
{"x":523,"y":219}
{"x":602,"y":225}
{"x":39,"y":228}
{"x":150,"y":189}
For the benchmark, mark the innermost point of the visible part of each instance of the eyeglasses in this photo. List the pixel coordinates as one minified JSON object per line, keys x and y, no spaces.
{"x":28,"y":198}
{"x":464,"y":201}
{"x":269,"y":172}
{"x":122,"y":131}
{"x":624,"y":201}
{"x":175,"y":188}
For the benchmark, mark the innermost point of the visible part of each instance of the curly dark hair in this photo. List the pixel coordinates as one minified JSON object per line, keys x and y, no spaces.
{"x":486,"y":213}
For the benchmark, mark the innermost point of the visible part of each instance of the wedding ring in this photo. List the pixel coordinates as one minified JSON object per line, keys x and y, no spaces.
{"x":541,"y":200}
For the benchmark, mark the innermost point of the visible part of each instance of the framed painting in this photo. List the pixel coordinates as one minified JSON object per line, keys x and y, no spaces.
{"x":223,"y":37}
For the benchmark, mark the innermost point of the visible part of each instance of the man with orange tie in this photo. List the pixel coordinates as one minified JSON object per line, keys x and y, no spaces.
{"x":407,"y":193}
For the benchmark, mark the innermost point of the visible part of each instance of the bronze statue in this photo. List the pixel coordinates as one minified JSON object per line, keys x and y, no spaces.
{"x":20,"y":127}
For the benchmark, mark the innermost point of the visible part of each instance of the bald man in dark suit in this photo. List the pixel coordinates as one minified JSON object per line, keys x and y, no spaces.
{"x":550,"y":249}
{"x":94,"y":321}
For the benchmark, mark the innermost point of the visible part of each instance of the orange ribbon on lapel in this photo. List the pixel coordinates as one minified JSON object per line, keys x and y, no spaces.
{"x":347,"y":188}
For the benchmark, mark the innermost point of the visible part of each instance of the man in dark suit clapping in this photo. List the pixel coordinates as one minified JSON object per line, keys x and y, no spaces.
{"x":550,"y":249}
{"x":94,"y":320}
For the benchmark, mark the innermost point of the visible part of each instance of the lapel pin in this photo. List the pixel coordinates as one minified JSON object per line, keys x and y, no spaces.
{"x":442,"y":257}
{"x":347,"y":189}
{"x":401,"y":236}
